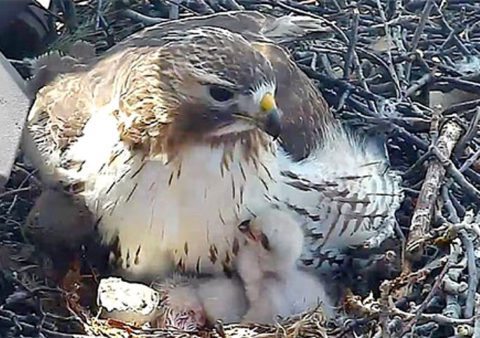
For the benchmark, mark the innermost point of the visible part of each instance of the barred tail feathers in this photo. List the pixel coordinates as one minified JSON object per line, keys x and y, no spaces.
{"x":344,"y":193}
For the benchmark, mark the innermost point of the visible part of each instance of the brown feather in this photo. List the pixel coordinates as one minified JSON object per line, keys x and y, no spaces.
{"x":146,"y":69}
{"x":306,"y":117}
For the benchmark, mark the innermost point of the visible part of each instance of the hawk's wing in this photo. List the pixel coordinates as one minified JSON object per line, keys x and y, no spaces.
{"x":63,"y":107}
{"x":252,"y":25}
{"x":345,"y":194}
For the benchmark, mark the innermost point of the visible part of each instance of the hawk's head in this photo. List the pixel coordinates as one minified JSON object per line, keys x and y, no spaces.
{"x":215,"y":85}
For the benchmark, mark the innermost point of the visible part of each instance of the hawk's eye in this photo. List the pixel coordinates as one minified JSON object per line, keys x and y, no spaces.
{"x":220,"y":94}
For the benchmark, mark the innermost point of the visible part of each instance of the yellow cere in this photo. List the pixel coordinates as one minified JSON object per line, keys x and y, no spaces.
{"x":268,"y":102}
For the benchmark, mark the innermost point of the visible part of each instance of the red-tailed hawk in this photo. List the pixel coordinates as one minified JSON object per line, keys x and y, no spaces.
{"x":185,"y":129}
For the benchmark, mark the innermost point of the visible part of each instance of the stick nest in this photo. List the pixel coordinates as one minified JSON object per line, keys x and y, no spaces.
{"x":382,"y":70}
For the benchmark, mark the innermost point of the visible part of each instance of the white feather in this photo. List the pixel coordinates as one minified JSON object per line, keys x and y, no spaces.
{"x":204,"y":298}
{"x":223,"y":299}
{"x":273,"y":283}
{"x":156,"y":207}
{"x":359,"y":172}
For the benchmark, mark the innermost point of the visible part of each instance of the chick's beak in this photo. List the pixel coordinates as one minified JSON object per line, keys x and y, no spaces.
{"x":246,"y":230}
{"x":270,"y":120}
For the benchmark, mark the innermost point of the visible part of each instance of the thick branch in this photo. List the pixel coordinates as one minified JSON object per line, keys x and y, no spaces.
{"x":420,"y":226}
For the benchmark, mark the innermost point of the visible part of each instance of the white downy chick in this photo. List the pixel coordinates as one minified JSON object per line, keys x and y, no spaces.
{"x":223,"y":298}
{"x":192,"y":303}
{"x":267,"y":265}
{"x":180,"y":306}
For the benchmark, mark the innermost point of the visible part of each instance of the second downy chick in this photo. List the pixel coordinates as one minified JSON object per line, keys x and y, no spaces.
{"x":191,"y":303}
{"x":267,"y":264}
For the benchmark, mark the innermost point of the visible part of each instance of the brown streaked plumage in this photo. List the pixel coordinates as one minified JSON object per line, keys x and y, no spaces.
{"x":171,"y":135}
{"x":305,"y":112}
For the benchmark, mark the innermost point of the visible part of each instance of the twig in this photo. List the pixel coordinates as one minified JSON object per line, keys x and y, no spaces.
{"x":413,"y":169}
{"x":457,"y":175}
{"x":231,"y":5}
{"x":420,"y":83}
{"x":32,"y":329}
{"x":389,"y":53}
{"x":447,"y":201}
{"x":470,"y":133}
{"x":476,"y":327}
{"x":452,"y":308}
{"x":433,"y":291}
{"x":420,"y":224}
{"x":418,"y":33}
{"x":182,"y":6}
{"x":471,"y":160}
{"x":472,"y":273}
{"x":351,"y":46}
{"x":436,"y":317}
{"x":453,"y":35}
{"x":461,"y":107}
{"x":349,"y":59}
{"x":14,"y":191}
{"x":147,"y":20}
{"x":468,"y":225}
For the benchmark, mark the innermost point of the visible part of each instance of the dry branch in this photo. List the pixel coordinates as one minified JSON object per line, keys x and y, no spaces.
{"x":420,"y":225}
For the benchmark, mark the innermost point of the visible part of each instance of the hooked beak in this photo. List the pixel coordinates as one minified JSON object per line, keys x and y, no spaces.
{"x":245,"y":229}
{"x":271,"y":120}
{"x":272,"y":124}
{"x":268,"y":118}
